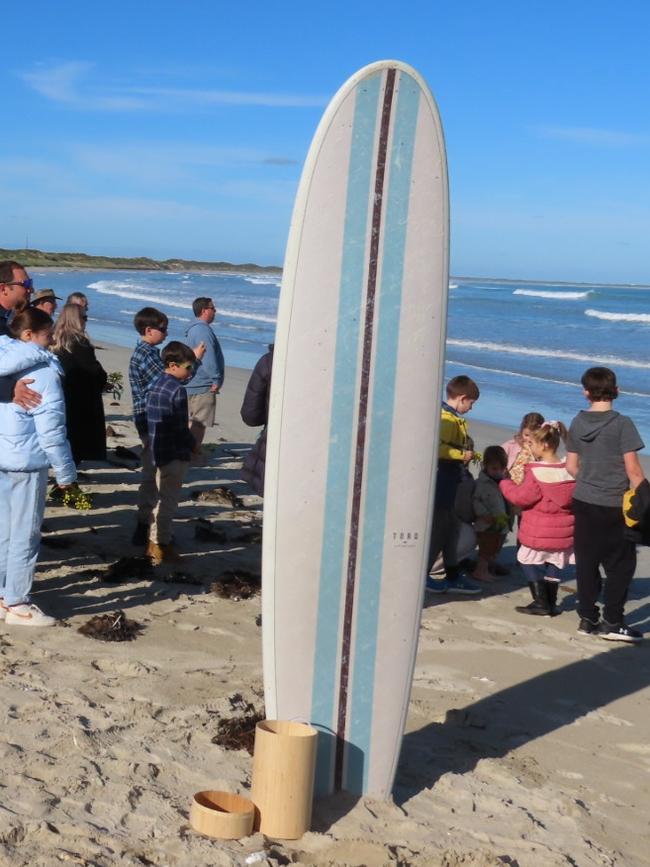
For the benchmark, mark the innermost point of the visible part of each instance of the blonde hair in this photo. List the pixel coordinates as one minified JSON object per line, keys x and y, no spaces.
{"x":550,"y":434}
{"x":69,"y":329}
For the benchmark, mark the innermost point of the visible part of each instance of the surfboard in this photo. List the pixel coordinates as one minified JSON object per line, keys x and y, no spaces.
{"x":353,"y":425}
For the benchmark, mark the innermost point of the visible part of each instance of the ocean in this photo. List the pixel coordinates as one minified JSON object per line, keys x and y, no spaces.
{"x":525,"y":344}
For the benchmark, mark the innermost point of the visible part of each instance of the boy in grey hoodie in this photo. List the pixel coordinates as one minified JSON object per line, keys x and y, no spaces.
{"x":602,"y":451}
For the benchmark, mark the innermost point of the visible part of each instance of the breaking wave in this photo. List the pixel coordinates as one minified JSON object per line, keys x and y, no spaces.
{"x":548,"y":353}
{"x":619,"y":317}
{"x":557,"y":296}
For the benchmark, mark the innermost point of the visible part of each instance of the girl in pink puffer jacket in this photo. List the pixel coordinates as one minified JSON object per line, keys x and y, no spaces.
{"x":546,"y":524}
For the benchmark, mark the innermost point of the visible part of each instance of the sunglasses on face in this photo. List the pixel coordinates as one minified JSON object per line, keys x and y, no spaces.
{"x":26,"y":284}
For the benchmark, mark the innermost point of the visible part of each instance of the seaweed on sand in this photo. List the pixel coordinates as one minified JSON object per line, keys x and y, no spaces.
{"x":236,"y":585}
{"x":220,"y":496}
{"x":237,"y":732}
{"x":111,"y":627}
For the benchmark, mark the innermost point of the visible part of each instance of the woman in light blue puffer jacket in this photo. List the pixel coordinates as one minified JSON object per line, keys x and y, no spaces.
{"x":30,"y":442}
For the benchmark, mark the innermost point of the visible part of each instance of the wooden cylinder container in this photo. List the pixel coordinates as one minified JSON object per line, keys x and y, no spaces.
{"x":222,"y":815}
{"x":284,"y":763}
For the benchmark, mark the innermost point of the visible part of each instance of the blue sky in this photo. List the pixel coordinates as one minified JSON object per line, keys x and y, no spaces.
{"x":179,"y":129}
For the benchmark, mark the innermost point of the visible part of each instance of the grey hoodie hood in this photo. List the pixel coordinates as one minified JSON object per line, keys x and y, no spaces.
{"x":588,"y":424}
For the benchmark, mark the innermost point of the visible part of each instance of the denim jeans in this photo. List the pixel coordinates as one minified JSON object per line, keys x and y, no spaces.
{"x":23,"y":495}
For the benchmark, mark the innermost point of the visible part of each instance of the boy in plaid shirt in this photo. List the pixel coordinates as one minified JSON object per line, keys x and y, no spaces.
{"x":145,"y":367}
{"x":171,"y":444}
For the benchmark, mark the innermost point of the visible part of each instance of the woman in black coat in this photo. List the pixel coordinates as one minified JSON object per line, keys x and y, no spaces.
{"x":254,"y":412}
{"x":83,"y":386}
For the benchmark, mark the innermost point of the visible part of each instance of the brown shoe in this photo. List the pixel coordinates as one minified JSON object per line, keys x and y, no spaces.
{"x":155,"y":553}
{"x":162,"y":553}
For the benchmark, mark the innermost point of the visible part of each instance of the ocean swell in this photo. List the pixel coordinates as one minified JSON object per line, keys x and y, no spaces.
{"x":547,"y":353}
{"x":619,"y":317}
{"x":557,"y":296}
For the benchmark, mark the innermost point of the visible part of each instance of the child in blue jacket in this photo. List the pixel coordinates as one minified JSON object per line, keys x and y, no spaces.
{"x":30,"y":442}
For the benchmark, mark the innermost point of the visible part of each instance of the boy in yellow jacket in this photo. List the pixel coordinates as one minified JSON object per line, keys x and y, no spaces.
{"x":462,"y":394}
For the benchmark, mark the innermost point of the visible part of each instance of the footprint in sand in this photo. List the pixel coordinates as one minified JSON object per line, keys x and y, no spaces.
{"x":209,"y":630}
{"x":607,"y":718}
{"x":185,"y":627}
{"x":570,"y":775}
{"x":122,"y":667}
{"x":637,"y":749}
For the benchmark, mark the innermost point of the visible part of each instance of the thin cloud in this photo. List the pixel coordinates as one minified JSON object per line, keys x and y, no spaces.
{"x":229,"y":97}
{"x":593,"y":136}
{"x":58,"y":83}
{"x":280,"y":161}
{"x":157,"y":161}
{"x":68,"y":84}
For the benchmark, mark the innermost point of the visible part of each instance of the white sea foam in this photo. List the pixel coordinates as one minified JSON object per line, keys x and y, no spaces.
{"x":619,"y":317}
{"x":238,"y":314}
{"x":453,"y":285}
{"x":548,"y":353}
{"x":558,"y":296}
{"x":134,"y":293}
{"x":565,"y":382}
{"x":125,"y":290}
{"x":263,"y":281}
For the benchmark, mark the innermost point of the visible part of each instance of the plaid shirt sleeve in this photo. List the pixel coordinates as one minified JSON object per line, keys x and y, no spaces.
{"x":144,"y":369}
{"x":168,"y":423}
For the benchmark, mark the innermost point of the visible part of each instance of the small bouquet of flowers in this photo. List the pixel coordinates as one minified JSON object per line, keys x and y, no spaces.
{"x":115,"y":384}
{"x":72,"y":497}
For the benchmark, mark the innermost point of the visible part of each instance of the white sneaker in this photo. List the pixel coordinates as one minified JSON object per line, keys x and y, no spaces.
{"x":3,"y":610}
{"x":27,"y":614}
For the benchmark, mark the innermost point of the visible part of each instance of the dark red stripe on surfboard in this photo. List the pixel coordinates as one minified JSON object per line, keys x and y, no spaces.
{"x":368,"y":334}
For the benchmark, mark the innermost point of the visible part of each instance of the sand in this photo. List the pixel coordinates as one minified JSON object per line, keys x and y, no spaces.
{"x":526,"y":744}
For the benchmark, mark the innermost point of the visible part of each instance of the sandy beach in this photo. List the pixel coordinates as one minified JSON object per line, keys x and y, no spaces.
{"x":526,"y":744}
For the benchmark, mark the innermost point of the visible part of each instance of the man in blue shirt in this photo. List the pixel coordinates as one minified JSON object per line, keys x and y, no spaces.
{"x":208,"y":379}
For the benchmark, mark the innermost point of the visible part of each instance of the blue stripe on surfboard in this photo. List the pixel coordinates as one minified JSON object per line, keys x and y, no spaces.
{"x":381,"y":428}
{"x":326,"y":656}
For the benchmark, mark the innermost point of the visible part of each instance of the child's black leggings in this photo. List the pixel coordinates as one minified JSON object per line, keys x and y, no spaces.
{"x":600,"y":540}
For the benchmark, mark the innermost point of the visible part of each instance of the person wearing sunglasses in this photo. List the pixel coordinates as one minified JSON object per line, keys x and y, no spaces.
{"x":207,"y":381}
{"x":15,"y":291}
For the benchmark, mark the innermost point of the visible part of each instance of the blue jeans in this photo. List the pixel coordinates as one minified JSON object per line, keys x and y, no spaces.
{"x":23,"y":496}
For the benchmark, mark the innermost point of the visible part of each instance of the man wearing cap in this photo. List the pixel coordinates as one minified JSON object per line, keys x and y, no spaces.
{"x":15,"y":289}
{"x":45,"y":300}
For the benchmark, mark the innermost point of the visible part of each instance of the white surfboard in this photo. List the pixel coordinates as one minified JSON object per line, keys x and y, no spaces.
{"x":353,"y":425}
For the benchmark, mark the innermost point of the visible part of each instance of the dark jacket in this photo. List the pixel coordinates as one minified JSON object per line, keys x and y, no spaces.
{"x":636,"y":511}
{"x":254,"y":412}
{"x":83,"y":386}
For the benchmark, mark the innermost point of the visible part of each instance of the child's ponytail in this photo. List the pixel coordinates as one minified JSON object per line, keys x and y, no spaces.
{"x":550,"y":434}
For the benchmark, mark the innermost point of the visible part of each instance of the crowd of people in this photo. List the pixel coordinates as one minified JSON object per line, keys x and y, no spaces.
{"x":52,"y":416}
{"x":589,"y":508}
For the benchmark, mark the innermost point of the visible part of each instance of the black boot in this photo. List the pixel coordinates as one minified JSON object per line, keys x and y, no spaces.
{"x":551,"y":592}
{"x":540,"y":604}
{"x":140,"y":534}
